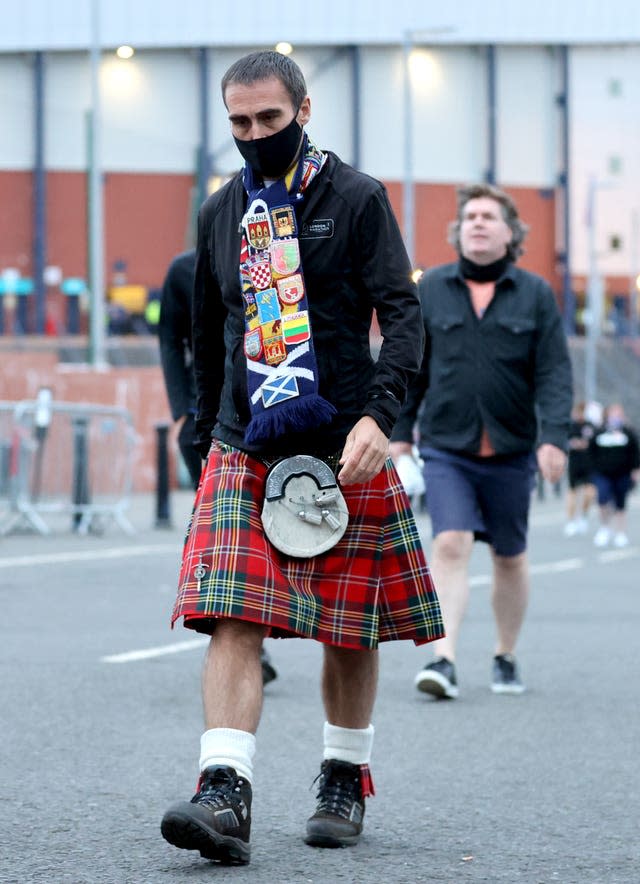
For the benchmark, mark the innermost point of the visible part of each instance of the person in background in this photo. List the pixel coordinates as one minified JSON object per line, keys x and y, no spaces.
{"x":615,"y":458}
{"x":581,"y":492}
{"x":174,"y":332}
{"x":493,"y":397}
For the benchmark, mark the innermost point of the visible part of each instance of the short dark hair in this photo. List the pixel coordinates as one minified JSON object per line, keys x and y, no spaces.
{"x":509,"y":212}
{"x":262,"y":65}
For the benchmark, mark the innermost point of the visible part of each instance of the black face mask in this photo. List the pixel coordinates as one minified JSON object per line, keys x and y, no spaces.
{"x":272,"y":156}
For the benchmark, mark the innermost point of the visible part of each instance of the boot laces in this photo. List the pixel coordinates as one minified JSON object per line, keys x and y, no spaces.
{"x":337,"y":794}
{"x":218,"y":789}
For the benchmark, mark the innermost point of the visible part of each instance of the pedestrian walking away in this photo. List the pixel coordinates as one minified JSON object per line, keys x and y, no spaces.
{"x":494,"y":387}
{"x":615,"y":459}
{"x":300,"y":527}
{"x":176,"y":356}
{"x":581,"y":492}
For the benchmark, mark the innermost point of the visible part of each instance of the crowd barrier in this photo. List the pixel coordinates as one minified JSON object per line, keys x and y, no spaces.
{"x":64,"y":458}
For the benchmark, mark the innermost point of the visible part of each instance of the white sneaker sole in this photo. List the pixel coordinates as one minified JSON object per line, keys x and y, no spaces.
{"x":508,"y":688}
{"x":431,"y":682}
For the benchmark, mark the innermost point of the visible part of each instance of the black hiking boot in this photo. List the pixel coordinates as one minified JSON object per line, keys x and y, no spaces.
{"x":217,"y":820}
{"x":337,"y":821}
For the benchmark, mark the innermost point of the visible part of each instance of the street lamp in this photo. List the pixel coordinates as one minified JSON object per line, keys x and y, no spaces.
{"x":408,"y":188}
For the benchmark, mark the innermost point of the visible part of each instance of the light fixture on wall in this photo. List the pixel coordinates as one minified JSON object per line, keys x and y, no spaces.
{"x":284,"y":48}
{"x":125,"y":51}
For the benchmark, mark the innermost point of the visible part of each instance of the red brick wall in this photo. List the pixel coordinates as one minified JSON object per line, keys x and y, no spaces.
{"x":436,"y":207}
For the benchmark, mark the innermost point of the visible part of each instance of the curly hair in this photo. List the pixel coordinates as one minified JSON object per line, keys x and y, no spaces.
{"x":509,"y":212}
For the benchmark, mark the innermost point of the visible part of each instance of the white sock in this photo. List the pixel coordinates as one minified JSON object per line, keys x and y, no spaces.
{"x":231,"y":748}
{"x":348,"y":744}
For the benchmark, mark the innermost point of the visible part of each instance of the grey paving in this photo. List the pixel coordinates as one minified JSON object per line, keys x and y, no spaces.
{"x":540,"y":788}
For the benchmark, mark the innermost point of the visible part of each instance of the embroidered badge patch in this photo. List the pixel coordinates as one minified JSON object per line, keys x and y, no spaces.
{"x":295,"y":327}
{"x":278,"y":390}
{"x":253,"y":344}
{"x":275,"y":350}
{"x":259,"y":272}
{"x":258,"y":231}
{"x":284,"y":221}
{"x":268,"y":306}
{"x":290,"y":289}
{"x":285,"y":256}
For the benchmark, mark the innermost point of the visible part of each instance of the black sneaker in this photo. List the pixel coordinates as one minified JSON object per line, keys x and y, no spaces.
{"x":268,"y":671}
{"x":337,"y":821}
{"x":216,"y":821}
{"x":505,"y":678}
{"x":438,"y":679}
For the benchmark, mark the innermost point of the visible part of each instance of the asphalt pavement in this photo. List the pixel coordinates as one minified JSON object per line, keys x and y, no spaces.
{"x":101,"y":719}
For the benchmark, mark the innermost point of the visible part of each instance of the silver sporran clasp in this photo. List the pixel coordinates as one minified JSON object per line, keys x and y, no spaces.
{"x":304,"y":512}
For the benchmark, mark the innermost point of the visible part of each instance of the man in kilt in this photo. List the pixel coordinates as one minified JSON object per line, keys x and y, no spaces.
{"x":293,"y":255}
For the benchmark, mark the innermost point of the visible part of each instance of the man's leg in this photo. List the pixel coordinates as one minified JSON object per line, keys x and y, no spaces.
{"x":449,"y":563}
{"x":509,"y":598}
{"x":232,"y":676}
{"x":349,"y":683}
{"x":217,"y":821}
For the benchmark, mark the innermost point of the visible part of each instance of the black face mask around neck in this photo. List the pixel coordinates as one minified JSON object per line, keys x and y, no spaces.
{"x":483,"y":272}
{"x":271,"y":156}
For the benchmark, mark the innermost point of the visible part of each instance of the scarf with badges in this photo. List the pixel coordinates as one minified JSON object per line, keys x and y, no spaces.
{"x":282,"y":374}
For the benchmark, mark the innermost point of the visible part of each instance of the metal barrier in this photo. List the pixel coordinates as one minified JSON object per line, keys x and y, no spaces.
{"x":59,"y":457}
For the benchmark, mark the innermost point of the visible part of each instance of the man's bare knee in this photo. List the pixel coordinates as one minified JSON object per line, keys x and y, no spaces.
{"x":239,"y":633}
{"x":453,"y":546}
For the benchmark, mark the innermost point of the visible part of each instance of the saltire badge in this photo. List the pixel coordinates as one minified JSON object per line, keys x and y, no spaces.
{"x":268,"y":306}
{"x":291,"y":289}
{"x":283,"y":221}
{"x":259,"y":270}
{"x":296,"y":328}
{"x":253,"y":344}
{"x":279,"y":390}
{"x":285,"y":256}
{"x":275,"y":350}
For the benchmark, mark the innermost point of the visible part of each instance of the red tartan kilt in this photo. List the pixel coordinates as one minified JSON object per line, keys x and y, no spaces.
{"x":372,"y":586}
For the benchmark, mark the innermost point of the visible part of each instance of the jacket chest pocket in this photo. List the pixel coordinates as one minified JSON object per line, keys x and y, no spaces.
{"x":447,"y":333}
{"x":513,"y":338}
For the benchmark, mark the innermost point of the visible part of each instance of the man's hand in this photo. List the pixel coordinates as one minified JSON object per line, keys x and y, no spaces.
{"x":364,"y":453}
{"x":551,"y":462}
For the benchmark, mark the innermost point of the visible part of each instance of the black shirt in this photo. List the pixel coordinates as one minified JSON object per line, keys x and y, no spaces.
{"x":508,"y":371}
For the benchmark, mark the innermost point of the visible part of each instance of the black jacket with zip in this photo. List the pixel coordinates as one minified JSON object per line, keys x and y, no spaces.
{"x":353,"y":261}
{"x":508,"y":371}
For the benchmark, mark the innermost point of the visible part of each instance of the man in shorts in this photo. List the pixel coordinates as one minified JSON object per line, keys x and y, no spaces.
{"x":495,"y":386}
{"x":293,"y":255}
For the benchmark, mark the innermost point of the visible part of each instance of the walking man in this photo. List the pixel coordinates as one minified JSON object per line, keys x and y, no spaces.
{"x":300,"y":526}
{"x":495,"y":386}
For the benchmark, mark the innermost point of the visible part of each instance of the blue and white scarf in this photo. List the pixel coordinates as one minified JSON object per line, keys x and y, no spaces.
{"x":282,"y":374}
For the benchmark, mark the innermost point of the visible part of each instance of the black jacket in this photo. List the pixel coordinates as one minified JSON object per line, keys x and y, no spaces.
{"x":174,"y":332}
{"x":353,"y":261}
{"x":508,"y":371}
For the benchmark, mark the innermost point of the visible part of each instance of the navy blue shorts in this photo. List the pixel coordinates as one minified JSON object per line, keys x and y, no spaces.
{"x":613,"y":489}
{"x":490,"y":497}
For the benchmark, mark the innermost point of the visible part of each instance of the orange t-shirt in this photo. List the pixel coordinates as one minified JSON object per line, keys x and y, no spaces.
{"x":481,"y":295}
